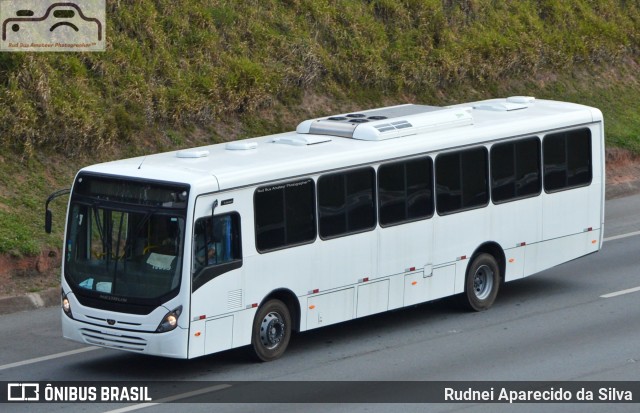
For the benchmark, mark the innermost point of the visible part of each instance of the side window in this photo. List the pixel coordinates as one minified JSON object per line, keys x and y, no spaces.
{"x":515,"y":170}
{"x":284,"y":215}
{"x":567,"y":160}
{"x":346,"y":202}
{"x":217,"y":247}
{"x":462,"y":180}
{"x":405,"y":191}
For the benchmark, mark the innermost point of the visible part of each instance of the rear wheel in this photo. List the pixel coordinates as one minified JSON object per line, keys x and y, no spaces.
{"x":482,"y":283}
{"x":271,"y":330}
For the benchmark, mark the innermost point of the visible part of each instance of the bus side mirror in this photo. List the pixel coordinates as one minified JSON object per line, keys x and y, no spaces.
{"x":213,"y":208}
{"x":48,"y":215}
{"x":48,"y":220}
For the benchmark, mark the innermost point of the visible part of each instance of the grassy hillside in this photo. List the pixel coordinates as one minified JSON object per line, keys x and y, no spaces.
{"x":177,"y":74}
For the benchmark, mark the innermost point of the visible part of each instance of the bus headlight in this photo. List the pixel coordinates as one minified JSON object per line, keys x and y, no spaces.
{"x":66,"y":305}
{"x":170,"y":321}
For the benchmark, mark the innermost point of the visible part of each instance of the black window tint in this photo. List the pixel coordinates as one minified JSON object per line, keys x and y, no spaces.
{"x":448,"y":182}
{"x":360,"y":206}
{"x":332,"y":205}
{"x":579,"y":158}
{"x":567,"y":160}
{"x":515,"y":169}
{"x":391,"y":193}
{"x":269,"y":212}
{"x":346,"y":202}
{"x":284,"y":214}
{"x":300,"y":212}
{"x":461,"y":180}
{"x":528,"y":167}
{"x":555,"y":168}
{"x":405,"y":191}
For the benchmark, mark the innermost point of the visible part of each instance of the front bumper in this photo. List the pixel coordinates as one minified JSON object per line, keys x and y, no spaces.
{"x":171,"y":344}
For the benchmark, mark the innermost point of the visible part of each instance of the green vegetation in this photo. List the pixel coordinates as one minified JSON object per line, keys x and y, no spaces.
{"x":177,"y":74}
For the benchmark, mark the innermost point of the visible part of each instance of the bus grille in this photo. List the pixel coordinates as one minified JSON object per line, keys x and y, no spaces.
{"x":113,"y":340}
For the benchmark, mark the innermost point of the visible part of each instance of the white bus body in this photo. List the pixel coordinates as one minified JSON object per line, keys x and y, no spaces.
{"x":338,"y":220}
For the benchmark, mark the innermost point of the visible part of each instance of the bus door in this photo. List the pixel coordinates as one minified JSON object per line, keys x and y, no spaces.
{"x":216,"y":278}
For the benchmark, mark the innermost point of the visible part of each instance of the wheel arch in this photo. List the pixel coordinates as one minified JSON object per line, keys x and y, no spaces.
{"x":290,"y":300}
{"x":495,"y":250}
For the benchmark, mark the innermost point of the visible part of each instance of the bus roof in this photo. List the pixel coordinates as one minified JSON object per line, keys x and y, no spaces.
{"x":341,"y":141}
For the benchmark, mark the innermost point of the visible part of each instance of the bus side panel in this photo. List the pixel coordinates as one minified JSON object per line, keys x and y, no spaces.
{"x":223,"y":333}
{"x":405,"y":246}
{"x":568,"y":216}
{"x":290,"y":269}
{"x":330,"y":308}
{"x":421,"y":287}
{"x":372,"y":298}
{"x":402,"y":249}
{"x":572,"y":219}
{"x":458,"y":235}
{"x":343,"y":261}
{"x":196,"y":338}
{"x":514,"y":258}
{"x":547,"y":254}
{"x":218,"y":334}
{"x":515,"y":223}
{"x":566,"y":213}
{"x":323,"y":265}
{"x":573,"y":210}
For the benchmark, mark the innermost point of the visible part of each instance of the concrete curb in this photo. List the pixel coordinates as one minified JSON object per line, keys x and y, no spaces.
{"x":31,"y":301}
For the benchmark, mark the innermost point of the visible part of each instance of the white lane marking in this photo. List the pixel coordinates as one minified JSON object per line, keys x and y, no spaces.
{"x":45,"y":358}
{"x":627,"y":235}
{"x":622,"y":292}
{"x":169,"y":399}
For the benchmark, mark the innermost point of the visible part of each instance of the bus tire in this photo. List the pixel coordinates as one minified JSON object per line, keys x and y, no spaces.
{"x":271,"y":330}
{"x":482,"y":283}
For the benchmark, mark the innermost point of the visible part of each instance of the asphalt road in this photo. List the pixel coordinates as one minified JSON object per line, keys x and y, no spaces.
{"x":553,"y":326}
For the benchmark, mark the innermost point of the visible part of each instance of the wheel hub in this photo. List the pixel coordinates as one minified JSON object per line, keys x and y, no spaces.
{"x":272,"y":330}
{"x":483,"y":282}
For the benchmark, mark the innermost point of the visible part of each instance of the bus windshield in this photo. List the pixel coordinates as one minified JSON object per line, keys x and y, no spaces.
{"x":125,"y":238}
{"x":124,"y":253}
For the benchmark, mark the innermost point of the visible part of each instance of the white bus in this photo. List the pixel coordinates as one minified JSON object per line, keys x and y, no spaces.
{"x":188,"y":253}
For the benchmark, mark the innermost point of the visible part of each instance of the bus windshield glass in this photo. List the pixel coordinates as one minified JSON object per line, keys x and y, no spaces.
{"x":123,"y":243}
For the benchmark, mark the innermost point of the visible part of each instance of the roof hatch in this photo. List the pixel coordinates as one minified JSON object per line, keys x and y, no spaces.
{"x":241,"y":146}
{"x":506,"y":105}
{"x":192,"y":153}
{"x":387,"y":123}
{"x":301,"y":140}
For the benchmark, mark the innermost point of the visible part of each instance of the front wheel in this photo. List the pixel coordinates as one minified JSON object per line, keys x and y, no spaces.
{"x":271,"y":330}
{"x":482,"y":283}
